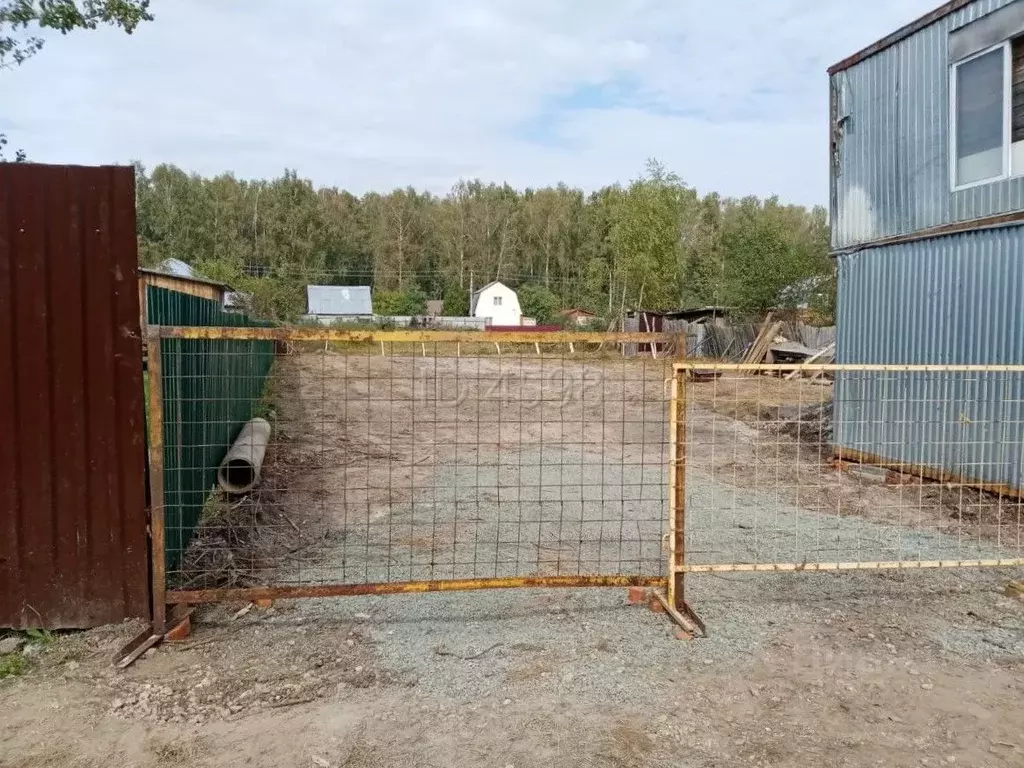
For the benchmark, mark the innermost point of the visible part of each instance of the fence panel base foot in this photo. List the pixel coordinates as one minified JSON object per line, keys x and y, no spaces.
{"x":685,"y":617}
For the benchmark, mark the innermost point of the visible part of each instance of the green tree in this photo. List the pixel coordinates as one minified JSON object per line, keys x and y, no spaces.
{"x":456,"y":302}
{"x":412,"y":302}
{"x":18,"y":18}
{"x":539,"y":302}
{"x":645,"y":237}
{"x":768,"y":248}
{"x":656,"y":242}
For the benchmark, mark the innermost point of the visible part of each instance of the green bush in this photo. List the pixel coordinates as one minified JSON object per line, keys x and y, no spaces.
{"x":412,"y":302}
{"x":456,"y":302}
{"x":538,"y":302}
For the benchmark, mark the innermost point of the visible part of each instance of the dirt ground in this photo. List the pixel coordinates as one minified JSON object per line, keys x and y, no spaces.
{"x":396,"y":468}
{"x":860,"y":670}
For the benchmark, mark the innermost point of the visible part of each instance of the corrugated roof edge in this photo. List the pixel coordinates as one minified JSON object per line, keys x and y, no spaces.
{"x":205,"y":280}
{"x":900,"y":34}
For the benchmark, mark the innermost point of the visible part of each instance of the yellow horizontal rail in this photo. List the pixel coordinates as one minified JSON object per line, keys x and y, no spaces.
{"x":710,"y":366}
{"x":406,"y":587}
{"x":419,"y":337}
{"x":906,"y":565}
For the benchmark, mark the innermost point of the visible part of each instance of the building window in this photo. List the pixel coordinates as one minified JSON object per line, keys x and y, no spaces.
{"x":497,"y":301}
{"x":988,"y":115}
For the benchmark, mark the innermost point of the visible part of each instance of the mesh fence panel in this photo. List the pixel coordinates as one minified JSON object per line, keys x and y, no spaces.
{"x":425,"y":461}
{"x":887,"y":467}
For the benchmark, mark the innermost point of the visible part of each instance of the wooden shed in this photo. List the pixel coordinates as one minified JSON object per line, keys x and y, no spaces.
{"x":193,"y":286}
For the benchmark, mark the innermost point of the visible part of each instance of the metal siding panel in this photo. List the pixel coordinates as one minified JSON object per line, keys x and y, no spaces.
{"x":68,"y":373}
{"x":99,"y":389}
{"x":894,"y":164}
{"x":955,"y":300}
{"x":211,"y":388}
{"x":129,"y":400}
{"x":12,"y":596}
{"x":72,"y":509}
{"x":33,"y":475}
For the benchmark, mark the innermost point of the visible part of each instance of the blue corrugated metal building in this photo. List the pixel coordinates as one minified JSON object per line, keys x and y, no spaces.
{"x":927,"y":211}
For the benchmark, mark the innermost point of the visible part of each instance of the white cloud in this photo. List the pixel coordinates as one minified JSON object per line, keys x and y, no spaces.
{"x":381,"y":93}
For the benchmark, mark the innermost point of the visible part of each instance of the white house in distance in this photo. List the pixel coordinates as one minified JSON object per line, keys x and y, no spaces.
{"x":497,"y":303}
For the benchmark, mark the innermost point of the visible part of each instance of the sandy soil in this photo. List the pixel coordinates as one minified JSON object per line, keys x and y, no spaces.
{"x":394,"y":468}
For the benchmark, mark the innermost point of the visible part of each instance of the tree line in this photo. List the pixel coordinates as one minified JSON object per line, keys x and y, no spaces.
{"x":653,"y":243}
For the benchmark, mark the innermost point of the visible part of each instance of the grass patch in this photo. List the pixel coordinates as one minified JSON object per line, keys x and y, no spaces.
{"x":39,"y":636}
{"x":12,"y":665}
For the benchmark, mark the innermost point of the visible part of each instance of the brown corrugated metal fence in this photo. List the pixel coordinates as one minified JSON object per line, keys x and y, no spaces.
{"x":73,"y":549}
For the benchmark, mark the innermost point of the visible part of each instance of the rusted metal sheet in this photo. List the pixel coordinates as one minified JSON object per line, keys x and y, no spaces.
{"x":405,"y":587}
{"x":73,"y":550}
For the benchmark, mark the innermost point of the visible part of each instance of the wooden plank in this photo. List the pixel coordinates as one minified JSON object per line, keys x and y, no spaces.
{"x":818,"y":355}
{"x":759,"y":349}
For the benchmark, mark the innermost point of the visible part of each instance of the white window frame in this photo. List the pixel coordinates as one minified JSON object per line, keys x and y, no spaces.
{"x":1007,"y":171}
{"x":497,"y":301}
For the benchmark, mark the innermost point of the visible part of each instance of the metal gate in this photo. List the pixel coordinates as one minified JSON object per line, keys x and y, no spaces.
{"x":784,"y":468}
{"x":407,"y":461}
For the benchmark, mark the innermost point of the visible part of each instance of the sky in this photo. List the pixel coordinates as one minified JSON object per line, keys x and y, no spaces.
{"x":377,"y":94}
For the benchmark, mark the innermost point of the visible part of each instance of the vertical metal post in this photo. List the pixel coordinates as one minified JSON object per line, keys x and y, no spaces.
{"x":157,"y":538}
{"x":677,"y":484}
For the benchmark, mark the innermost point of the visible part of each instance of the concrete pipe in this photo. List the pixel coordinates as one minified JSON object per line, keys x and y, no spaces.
{"x":240,"y":470}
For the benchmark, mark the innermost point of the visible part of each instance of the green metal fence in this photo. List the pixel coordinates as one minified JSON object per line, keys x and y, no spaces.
{"x":210,"y":389}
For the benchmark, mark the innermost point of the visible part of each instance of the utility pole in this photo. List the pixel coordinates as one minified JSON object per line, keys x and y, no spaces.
{"x":471,"y":293}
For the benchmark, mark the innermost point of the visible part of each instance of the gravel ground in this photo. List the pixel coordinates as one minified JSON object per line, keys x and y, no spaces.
{"x":726,"y":524}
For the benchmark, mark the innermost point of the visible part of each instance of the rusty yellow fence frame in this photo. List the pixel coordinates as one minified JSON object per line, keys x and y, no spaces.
{"x":163,"y":598}
{"x":679,"y":566}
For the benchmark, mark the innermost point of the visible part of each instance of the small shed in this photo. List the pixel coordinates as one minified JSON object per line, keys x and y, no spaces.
{"x":696,"y":314}
{"x":576,"y":316}
{"x":176,"y":267}
{"x":498,"y":303}
{"x":214,"y":290}
{"x":327,"y":303}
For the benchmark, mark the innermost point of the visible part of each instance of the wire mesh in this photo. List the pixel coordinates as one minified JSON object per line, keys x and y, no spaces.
{"x":395,"y":461}
{"x":842,"y":466}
